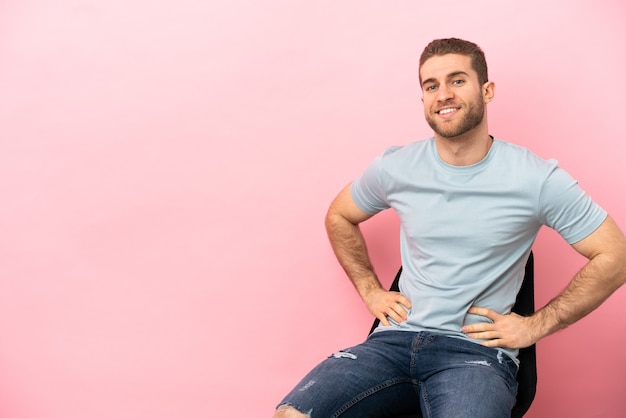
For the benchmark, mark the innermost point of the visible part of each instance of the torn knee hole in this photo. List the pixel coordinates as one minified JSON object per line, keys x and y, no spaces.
{"x":288,"y":411}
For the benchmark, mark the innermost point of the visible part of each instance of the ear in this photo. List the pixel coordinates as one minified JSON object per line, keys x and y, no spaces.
{"x":489,"y":90}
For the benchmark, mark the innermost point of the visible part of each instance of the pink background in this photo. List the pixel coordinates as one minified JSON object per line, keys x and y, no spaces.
{"x":165,"y":168}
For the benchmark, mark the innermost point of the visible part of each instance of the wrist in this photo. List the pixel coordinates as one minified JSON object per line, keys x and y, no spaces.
{"x":545,"y":322}
{"x":367,"y":285}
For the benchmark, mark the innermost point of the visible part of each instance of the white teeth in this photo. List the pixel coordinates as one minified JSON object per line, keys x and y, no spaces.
{"x":446,"y":111}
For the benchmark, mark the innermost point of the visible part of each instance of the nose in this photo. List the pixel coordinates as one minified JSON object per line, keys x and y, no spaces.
{"x":444,"y":93}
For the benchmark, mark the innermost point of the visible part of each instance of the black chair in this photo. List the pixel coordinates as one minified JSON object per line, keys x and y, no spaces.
{"x":527,"y":374}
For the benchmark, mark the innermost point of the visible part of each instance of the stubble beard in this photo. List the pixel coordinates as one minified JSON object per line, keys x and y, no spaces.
{"x":449,"y":129}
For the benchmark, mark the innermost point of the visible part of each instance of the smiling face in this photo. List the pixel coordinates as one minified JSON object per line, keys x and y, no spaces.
{"x":454,"y":100}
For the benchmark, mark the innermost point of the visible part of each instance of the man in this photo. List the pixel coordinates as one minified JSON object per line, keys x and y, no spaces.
{"x":470,"y":207}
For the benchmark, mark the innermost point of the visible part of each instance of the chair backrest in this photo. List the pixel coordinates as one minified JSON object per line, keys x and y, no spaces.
{"x":527,"y":374}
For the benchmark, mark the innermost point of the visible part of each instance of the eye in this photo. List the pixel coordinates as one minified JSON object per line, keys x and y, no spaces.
{"x":458,"y":82}
{"x":431,"y":87}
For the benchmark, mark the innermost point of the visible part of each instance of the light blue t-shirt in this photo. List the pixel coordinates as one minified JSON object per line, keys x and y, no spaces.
{"x":467,"y":231}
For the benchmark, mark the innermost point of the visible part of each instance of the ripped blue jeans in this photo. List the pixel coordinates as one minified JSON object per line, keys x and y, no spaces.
{"x":400,"y":372}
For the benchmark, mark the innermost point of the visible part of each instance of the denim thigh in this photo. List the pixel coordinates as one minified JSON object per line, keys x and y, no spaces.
{"x":460,"y":378}
{"x":369,"y":380}
{"x":399,"y":372}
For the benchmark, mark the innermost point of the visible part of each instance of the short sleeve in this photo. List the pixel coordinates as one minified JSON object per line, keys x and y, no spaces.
{"x":565,"y":207}
{"x":367,"y":190}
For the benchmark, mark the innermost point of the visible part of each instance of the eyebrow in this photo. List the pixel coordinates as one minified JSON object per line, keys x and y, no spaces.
{"x":449,"y":76}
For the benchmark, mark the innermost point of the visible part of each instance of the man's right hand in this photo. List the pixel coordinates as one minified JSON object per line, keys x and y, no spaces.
{"x":385,"y":305}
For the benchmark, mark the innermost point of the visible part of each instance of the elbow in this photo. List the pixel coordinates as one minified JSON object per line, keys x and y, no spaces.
{"x":618,"y":262}
{"x":334,"y":219}
{"x":619,"y":258}
{"x":622,"y":270}
{"x":329,"y":220}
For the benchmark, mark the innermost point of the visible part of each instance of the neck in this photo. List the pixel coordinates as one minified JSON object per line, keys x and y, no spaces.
{"x":466,"y":149}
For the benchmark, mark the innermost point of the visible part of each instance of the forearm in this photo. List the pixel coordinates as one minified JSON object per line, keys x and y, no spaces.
{"x":591,"y":286}
{"x":350,"y":249}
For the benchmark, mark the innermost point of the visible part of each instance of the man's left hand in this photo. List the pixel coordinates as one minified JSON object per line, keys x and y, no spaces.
{"x":506,"y":331}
